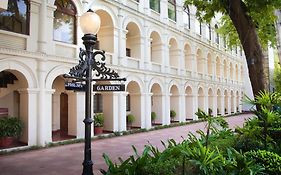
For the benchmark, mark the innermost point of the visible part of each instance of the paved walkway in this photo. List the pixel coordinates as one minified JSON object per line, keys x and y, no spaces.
{"x":67,"y":160}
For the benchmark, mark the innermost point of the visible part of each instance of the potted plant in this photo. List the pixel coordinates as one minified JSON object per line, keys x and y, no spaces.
{"x":153,"y":117}
{"x":173,"y":115}
{"x":130,"y":119}
{"x":10,"y":129}
{"x":98,"y":123}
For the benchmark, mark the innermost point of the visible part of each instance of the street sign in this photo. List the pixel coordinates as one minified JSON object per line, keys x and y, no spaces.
{"x":108,"y":87}
{"x":74,"y":86}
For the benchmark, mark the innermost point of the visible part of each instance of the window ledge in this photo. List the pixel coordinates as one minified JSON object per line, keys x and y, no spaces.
{"x":13,"y":34}
{"x":155,"y":12}
{"x":66,"y":44}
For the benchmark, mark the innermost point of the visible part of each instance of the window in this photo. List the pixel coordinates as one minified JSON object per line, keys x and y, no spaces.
{"x":128,"y":52}
{"x":16,"y":17}
{"x":186,"y":17}
{"x":200,"y":28}
{"x":98,"y":107}
{"x":172,"y":9}
{"x":210,"y":32}
{"x":155,"y":5}
{"x":217,"y":35}
{"x":128,"y":103}
{"x":65,"y":22}
{"x":224,"y":42}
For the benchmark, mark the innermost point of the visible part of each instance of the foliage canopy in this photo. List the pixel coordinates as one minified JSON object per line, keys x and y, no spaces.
{"x":260,"y":12}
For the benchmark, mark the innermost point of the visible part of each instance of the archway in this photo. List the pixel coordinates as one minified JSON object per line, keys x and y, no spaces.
{"x":231,"y":71}
{"x":189,"y":113}
{"x":219,"y":104}
{"x":218,"y":72}
{"x":210,"y":64}
{"x":133,"y":103}
{"x":187,"y":57}
{"x":201,"y":99}
{"x":236,"y":73}
{"x":105,"y":33}
{"x":63,"y":124}
{"x":224,"y":69}
{"x":173,"y":53}
{"x":156,"y":103}
{"x":210,"y":101}
{"x":133,"y":42}
{"x":232,"y":102}
{"x":156,"y":48}
{"x":174,"y":102}
{"x":14,"y":101}
{"x":200,"y":62}
{"x":225,"y":102}
{"x":103,"y":102}
{"x":237,"y":102}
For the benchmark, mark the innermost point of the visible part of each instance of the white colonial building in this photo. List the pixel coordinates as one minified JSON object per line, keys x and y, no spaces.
{"x":171,"y":62}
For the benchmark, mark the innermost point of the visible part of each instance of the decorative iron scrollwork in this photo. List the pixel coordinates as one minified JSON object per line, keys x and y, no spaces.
{"x":102,"y":71}
{"x":80,"y":69}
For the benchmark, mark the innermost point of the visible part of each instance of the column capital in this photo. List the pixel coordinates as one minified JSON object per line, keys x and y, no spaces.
{"x":28,"y":91}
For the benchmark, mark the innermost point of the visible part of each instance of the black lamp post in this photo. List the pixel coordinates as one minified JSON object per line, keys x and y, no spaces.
{"x":83,"y":72}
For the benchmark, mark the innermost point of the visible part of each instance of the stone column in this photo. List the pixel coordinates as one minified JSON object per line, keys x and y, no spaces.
{"x":222,"y":105}
{"x":182,"y":108}
{"x":122,"y":111}
{"x":56,"y":111}
{"x":110,"y":110}
{"x":213,"y":70}
{"x":115,"y":46}
{"x":167,"y":109}
{"x":147,"y":113}
{"x":221,"y":72}
{"x":206,"y":102}
{"x":229,"y":104}
{"x":215,"y":105}
{"x":121,"y":40}
{"x":166,"y":55}
{"x":44,"y":107}
{"x":28,"y":115}
{"x":195,"y":105}
{"x":142,"y":51}
{"x":235,"y":103}
{"x":146,"y":49}
{"x":42,"y":26}
{"x":193,"y":65}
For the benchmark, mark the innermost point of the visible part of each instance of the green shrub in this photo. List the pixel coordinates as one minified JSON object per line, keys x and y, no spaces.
{"x":153,"y":116}
{"x":99,"y":120}
{"x":130,"y":118}
{"x":173,"y":114}
{"x":235,"y":163}
{"x":10,"y":127}
{"x":271,"y":161}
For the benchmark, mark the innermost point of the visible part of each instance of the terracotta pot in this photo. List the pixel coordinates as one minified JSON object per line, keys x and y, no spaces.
{"x":98,"y":130}
{"x":6,"y":141}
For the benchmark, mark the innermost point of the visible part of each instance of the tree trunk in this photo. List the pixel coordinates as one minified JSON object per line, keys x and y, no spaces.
{"x":278,"y":29}
{"x":246,"y":30}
